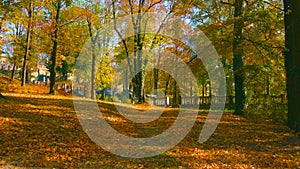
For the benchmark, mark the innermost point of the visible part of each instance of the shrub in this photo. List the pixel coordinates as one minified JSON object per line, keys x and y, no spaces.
{"x":125,"y":99}
{"x":264,"y":108}
{"x":106,"y":98}
{"x":115,"y":99}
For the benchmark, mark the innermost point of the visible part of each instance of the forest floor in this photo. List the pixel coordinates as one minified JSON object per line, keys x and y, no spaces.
{"x":43,"y":131}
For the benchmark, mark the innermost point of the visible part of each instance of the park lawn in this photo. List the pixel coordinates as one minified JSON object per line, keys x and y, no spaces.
{"x":43,"y":131}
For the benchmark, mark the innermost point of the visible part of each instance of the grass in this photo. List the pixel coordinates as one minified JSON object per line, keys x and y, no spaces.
{"x":43,"y":131}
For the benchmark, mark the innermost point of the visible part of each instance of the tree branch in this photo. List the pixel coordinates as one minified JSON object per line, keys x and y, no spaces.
{"x":123,"y":40}
{"x":65,"y":24}
{"x":263,"y":44}
{"x":226,"y":3}
{"x":276,"y":7}
{"x":152,"y":5}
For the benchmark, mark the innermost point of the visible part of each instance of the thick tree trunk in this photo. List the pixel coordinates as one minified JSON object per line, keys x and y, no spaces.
{"x":23,"y":81}
{"x":292,"y":60}
{"x":53,"y":64}
{"x":54,"y":50}
{"x":238,"y":59}
{"x":141,"y":66}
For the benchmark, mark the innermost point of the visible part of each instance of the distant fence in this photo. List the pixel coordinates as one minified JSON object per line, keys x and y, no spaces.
{"x":204,"y":102}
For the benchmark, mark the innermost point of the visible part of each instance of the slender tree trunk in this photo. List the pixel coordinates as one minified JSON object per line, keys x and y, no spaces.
{"x":13,"y":72}
{"x":54,"y":50}
{"x":1,"y":22}
{"x":167,"y":85}
{"x":156,"y":73}
{"x":292,"y":60}
{"x":155,"y":82}
{"x":268,"y":86}
{"x":175,"y":93}
{"x":23,"y":81}
{"x":238,"y":59}
{"x":126,"y":80}
{"x":27,"y":77}
{"x":93,"y":76}
{"x":203,"y":93}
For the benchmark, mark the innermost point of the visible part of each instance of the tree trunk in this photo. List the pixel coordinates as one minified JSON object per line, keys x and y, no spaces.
{"x":27,"y":77}
{"x":141,"y":66}
{"x":167,"y":85}
{"x":126,"y":80}
{"x":93,"y":76}
{"x":23,"y":81}
{"x":13,"y":72}
{"x":54,"y":50}
{"x":238,"y":59}
{"x":155,"y":82}
{"x":292,"y":60}
{"x":175,"y":94}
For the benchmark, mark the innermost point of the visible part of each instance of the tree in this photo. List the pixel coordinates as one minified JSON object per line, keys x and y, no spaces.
{"x":57,"y":22}
{"x":104,"y":74}
{"x":292,"y":60}
{"x":28,"y":36}
{"x":58,"y":6}
{"x":96,"y":16}
{"x":238,"y":59}
{"x":137,"y":9}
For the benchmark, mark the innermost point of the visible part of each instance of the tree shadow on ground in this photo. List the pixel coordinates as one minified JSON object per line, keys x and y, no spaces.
{"x":42,"y":132}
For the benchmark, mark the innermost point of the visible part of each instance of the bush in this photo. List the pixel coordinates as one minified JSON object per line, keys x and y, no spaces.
{"x":98,"y":96}
{"x":125,"y":99}
{"x":263,"y":108}
{"x":106,"y":98}
{"x":115,"y":99}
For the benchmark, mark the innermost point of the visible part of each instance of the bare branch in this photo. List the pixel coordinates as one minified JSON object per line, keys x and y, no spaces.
{"x":226,"y":3}
{"x":65,"y":24}
{"x":263,"y":44}
{"x":123,"y":40}
{"x":155,"y":3}
{"x":276,"y":7}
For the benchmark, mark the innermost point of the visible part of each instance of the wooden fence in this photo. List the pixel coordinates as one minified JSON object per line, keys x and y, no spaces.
{"x":205,"y":101}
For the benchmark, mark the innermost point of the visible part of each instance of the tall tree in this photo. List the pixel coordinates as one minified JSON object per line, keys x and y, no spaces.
{"x":56,"y":26}
{"x":137,"y":9}
{"x":28,"y":36}
{"x":58,"y":7}
{"x":292,"y":60}
{"x":96,"y":16}
{"x":238,"y":58}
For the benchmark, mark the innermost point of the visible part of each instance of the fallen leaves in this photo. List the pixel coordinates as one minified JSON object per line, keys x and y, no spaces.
{"x":45,"y":132}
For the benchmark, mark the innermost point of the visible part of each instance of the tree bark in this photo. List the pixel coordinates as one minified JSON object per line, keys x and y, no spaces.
{"x":24,"y":71}
{"x":13,"y":72}
{"x":238,"y":59}
{"x":155,"y":82}
{"x":167,"y":85}
{"x":54,"y":50}
{"x":93,"y":76}
{"x":292,"y":61}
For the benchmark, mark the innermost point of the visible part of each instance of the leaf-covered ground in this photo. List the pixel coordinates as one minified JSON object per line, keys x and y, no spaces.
{"x":43,"y":131}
